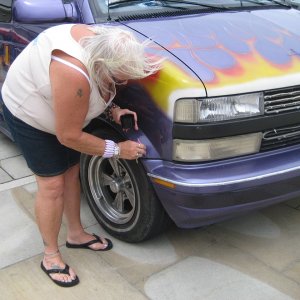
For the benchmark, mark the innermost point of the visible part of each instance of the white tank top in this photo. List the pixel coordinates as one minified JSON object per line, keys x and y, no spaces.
{"x":27,"y":92}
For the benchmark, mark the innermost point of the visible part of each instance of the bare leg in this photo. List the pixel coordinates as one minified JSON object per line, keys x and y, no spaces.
{"x":76,"y":233}
{"x":49,"y":208}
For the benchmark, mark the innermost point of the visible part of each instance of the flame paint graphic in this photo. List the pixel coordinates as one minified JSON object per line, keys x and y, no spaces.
{"x":230,"y":54}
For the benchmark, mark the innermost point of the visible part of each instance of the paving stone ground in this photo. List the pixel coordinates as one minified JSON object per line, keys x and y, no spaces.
{"x":255,"y":257}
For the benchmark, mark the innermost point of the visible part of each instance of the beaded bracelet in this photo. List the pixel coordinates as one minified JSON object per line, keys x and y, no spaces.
{"x":109,"y":150}
{"x":109,"y":111}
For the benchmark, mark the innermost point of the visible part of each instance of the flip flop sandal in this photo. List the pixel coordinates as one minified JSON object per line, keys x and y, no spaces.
{"x":88,"y":244}
{"x":60,"y":271}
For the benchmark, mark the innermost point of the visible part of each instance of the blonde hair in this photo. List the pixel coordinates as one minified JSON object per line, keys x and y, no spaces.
{"x":112,"y":51}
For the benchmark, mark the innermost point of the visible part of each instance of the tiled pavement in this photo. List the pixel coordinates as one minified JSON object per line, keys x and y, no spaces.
{"x":13,"y":169}
{"x":255,"y":257}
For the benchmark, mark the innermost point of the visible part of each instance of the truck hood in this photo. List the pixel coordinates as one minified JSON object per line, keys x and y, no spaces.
{"x":232,"y":52}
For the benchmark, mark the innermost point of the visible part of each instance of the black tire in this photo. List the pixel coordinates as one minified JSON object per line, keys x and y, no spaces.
{"x":121,"y":196}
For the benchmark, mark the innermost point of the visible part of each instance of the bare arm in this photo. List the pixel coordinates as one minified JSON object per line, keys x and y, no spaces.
{"x":71,"y":92}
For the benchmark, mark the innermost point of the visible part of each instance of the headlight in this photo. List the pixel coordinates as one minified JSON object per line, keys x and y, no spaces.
{"x":212,"y":149}
{"x":219,"y":108}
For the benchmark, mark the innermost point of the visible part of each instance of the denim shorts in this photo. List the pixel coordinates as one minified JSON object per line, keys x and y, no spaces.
{"x":44,"y":154}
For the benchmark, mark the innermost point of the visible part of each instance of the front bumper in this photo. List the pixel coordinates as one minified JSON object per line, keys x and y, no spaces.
{"x":208,"y":193}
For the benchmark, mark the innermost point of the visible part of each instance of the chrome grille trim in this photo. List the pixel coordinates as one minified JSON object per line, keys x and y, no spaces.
{"x":280,"y":137}
{"x":283,"y":100}
{"x":281,"y":95}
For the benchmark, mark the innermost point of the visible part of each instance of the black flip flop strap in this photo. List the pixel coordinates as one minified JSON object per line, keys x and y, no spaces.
{"x":96,"y":240}
{"x":59,"y":271}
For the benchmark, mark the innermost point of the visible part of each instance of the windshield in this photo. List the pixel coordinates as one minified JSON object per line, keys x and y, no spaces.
{"x":117,"y":8}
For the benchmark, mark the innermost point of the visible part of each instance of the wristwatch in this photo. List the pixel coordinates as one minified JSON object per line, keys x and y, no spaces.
{"x":117,"y":151}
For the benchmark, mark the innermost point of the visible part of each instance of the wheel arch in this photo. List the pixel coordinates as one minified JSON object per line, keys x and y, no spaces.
{"x":116,"y":130}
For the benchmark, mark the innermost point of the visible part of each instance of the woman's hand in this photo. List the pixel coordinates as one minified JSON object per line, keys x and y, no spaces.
{"x":131,"y":150}
{"x":117,"y":112}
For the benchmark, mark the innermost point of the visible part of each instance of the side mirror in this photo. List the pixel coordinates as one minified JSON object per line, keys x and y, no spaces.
{"x":49,"y":11}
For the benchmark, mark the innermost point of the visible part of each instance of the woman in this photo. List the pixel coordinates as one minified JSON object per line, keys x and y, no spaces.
{"x":55,"y":87}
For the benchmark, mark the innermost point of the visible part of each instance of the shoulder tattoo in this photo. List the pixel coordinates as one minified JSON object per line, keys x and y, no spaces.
{"x":79,"y":92}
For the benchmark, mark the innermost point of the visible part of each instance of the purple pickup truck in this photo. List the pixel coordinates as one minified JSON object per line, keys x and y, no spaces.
{"x":221,"y":120}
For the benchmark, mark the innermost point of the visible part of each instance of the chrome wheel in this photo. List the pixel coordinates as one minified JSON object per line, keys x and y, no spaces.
{"x":121,"y":196}
{"x":112,"y":188}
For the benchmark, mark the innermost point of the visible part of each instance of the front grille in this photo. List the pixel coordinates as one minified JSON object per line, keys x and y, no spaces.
{"x":283,"y":100}
{"x":277,"y":102}
{"x":281,"y":137}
